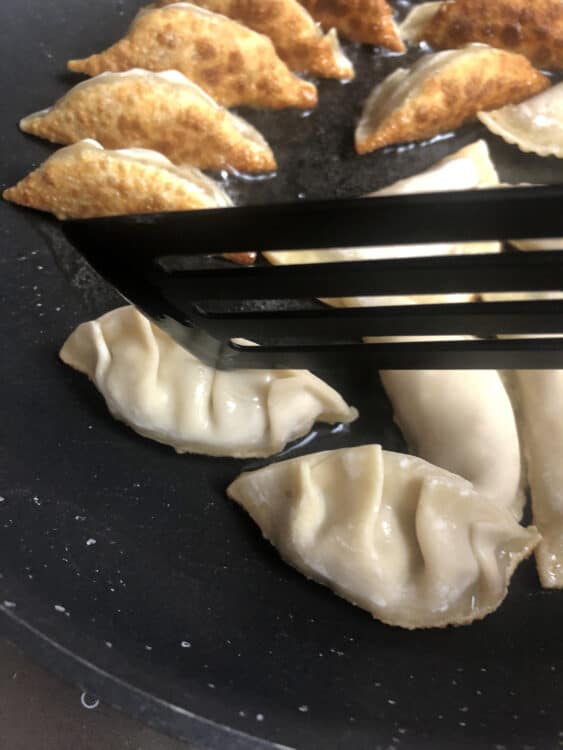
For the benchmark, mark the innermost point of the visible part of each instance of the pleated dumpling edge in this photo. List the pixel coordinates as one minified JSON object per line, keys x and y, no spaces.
{"x":163,"y":392}
{"x":413,"y":545}
{"x":535,"y":125}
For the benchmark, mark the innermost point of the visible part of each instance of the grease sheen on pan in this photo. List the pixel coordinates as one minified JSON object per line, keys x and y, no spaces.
{"x":367,"y":21}
{"x":469,"y":168}
{"x":533,"y":28}
{"x":297,"y":38}
{"x":85,"y":180}
{"x":163,"y":392}
{"x":535,"y":125}
{"x":441,"y":92}
{"x":231,"y":62}
{"x":161,"y":111}
{"x":412,"y":544}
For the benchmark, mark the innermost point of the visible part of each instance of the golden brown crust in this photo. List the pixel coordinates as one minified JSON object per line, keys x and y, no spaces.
{"x":486,"y":80}
{"x":296,"y":38}
{"x":533,"y":28}
{"x":148,"y":111}
{"x":91,"y":182}
{"x":367,"y":21}
{"x":235,"y":65}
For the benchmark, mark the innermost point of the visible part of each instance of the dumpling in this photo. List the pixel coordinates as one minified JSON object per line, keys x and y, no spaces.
{"x":467,"y":169}
{"x":234,"y":64}
{"x":539,"y":405}
{"x":411,"y":30}
{"x":461,"y":421}
{"x":84,"y":181}
{"x":297,"y":38}
{"x":412,"y":544}
{"x":535,"y":125}
{"x":367,"y":21}
{"x":464,"y":423}
{"x":161,"y":111}
{"x":533,"y":28}
{"x":441,"y":92}
{"x":163,"y":392}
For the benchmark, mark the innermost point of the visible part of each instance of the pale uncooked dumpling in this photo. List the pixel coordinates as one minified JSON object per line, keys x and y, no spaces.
{"x":163,"y":392}
{"x":234,"y":64}
{"x":533,"y":28}
{"x":297,"y":38}
{"x":161,"y":111}
{"x":441,"y":92}
{"x":462,"y":422}
{"x":367,"y":21}
{"x":535,"y":125}
{"x":412,"y":544}
{"x":467,"y":169}
{"x":539,"y":405}
{"x":85,"y":180}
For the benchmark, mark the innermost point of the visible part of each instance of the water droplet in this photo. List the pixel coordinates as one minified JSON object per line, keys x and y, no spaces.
{"x":147,"y":647}
{"x":303,"y":709}
{"x":59,"y":608}
{"x":89,"y":702}
{"x":259,"y":717}
{"x":109,"y":644}
{"x":90,"y":542}
{"x":2,"y":499}
{"x":186,"y":644}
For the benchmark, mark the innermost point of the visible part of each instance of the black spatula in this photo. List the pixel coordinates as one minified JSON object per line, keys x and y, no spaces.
{"x":145,"y":258}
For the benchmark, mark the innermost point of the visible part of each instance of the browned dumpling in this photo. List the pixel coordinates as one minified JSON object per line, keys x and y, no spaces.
{"x":367,"y":21}
{"x":441,"y":92}
{"x":533,"y":28}
{"x":161,"y":111}
{"x":234,"y":64}
{"x":296,"y":37}
{"x":84,"y":181}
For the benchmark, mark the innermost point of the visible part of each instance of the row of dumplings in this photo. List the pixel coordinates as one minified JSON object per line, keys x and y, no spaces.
{"x":138,"y":180}
{"x":410,"y":542}
{"x":418,"y":542}
{"x":159,"y":109}
{"x":141,"y":95}
{"x":414,"y":544}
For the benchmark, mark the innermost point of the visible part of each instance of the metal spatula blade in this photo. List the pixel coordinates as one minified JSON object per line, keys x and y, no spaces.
{"x":206,"y":306}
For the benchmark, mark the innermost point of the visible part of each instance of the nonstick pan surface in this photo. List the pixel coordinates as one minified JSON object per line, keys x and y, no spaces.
{"x":124,"y":568}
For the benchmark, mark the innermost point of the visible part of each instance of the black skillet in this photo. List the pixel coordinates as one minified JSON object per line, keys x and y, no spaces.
{"x":124,"y":568}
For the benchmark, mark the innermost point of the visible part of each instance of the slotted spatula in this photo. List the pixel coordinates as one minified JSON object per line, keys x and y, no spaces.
{"x":209,"y":303}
